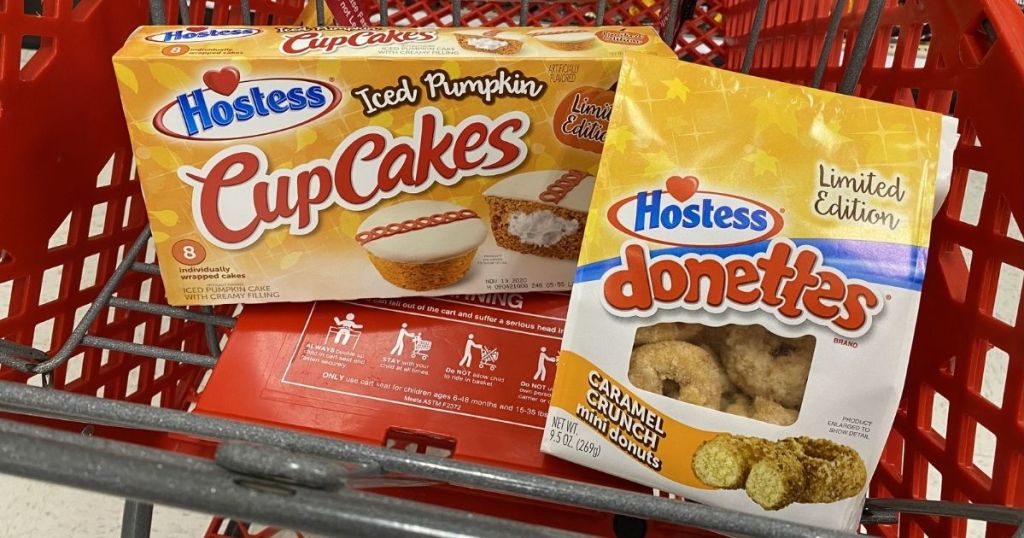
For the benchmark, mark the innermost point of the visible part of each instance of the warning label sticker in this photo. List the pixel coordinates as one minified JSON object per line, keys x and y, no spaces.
{"x":488,"y":356}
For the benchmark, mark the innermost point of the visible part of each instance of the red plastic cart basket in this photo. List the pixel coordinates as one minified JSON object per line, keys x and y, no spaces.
{"x":71,"y":213}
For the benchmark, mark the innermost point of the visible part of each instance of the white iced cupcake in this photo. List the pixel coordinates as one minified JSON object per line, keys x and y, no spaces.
{"x":422,"y":245}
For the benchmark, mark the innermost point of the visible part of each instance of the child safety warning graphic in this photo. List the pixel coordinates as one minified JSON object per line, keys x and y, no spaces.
{"x":487,"y":356}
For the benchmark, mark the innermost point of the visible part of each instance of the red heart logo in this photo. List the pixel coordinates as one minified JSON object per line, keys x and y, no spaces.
{"x":196,"y":28}
{"x":682,"y":188}
{"x":223,"y":81}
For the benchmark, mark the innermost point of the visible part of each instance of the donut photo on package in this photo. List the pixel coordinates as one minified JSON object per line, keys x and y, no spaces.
{"x":745,"y":300}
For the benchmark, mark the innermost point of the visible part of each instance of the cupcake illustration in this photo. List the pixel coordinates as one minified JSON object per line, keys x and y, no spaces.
{"x":491,"y":41}
{"x":422,"y":245}
{"x":564,"y":39}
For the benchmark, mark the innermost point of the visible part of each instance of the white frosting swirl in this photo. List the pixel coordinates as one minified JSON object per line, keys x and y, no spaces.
{"x":541,"y":228}
{"x":486,"y":43}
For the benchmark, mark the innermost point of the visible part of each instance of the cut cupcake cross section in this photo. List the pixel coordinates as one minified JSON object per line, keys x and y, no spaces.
{"x":541,"y":213}
{"x":422,"y":245}
{"x":492,"y":41}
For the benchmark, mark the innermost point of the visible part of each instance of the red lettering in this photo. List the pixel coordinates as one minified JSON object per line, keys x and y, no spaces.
{"x":797,"y":289}
{"x":464,"y":144}
{"x":859,"y":300}
{"x":776,"y":268}
{"x":294,"y":44}
{"x":668,"y":280}
{"x":305,"y":197}
{"x":403,"y":158}
{"x":831,"y":289}
{"x":307,"y":41}
{"x":628,"y":288}
{"x":345,"y":172}
{"x":510,"y":152}
{"x":805,"y":278}
{"x":431,"y":152}
{"x":210,"y":193}
{"x":742,"y":273}
{"x":370,"y":165}
{"x":268,"y":210}
{"x":711,"y":271}
{"x":332,"y":43}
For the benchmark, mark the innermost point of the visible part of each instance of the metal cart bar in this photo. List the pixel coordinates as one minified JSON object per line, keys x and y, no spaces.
{"x":859,"y":55}
{"x":136,"y":520}
{"x":830,"y":40}
{"x":172,"y":311}
{"x":197,"y":484}
{"x":34,"y":401}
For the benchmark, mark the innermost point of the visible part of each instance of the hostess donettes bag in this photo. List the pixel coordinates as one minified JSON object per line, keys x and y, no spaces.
{"x":744,"y":305}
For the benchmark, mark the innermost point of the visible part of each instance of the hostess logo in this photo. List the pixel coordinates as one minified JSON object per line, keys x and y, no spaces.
{"x":196,"y":34}
{"x":230,"y":108}
{"x":682,"y":215}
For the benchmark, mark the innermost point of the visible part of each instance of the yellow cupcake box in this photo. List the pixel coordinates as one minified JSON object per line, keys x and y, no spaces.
{"x":744,"y":306}
{"x":297,"y":163}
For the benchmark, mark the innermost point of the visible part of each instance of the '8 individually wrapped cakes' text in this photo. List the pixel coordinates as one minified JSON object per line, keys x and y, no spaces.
{"x":747,"y":288}
{"x":295,"y":163}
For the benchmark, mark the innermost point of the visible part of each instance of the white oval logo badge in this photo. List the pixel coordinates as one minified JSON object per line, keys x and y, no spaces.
{"x":196,"y":34}
{"x":682,"y":215}
{"x":230,"y":108}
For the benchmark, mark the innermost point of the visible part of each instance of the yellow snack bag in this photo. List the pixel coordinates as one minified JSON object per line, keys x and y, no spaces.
{"x":744,"y":304}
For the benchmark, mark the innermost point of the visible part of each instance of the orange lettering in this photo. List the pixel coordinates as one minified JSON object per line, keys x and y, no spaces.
{"x":633,"y":277}
{"x":668,"y":280}
{"x":794,"y":289}
{"x":742,"y":273}
{"x":831,"y":289}
{"x":859,"y":300}
{"x":713,"y":272}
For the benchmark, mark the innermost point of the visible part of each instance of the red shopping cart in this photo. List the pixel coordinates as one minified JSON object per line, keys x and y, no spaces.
{"x":86,"y":340}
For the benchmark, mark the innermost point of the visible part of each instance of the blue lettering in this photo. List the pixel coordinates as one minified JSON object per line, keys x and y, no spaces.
{"x":296,"y":99}
{"x":647,"y":208}
{"x":671,"y":216}
{"x":759,"y":220}
{"x":258,"y":102}
{"x":276,"y":100}
{"x":222,"y":113}
{"x":190,"y":111}
{"x":741,"y":218}
{"x":243,"y":108}
{"x":706,"y":210}
{"x":691,"y":216}
{"x":316,"y":97}
{"x":198,"y":115}
{"x":723,"y":217}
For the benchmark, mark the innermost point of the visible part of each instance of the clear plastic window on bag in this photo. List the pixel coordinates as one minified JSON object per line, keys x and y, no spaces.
{"x":743,"y":370}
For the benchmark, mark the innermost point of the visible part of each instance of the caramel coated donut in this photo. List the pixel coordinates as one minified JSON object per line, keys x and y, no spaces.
{"x":776,"y":474}
{"x":776,"y":481}
{"x":671,"y":366}
{"x":834,"y":471}
{"x":772,"y":412}
{"x":663,"y":332}
{"x":763,"y":364}
{"x":725,"y":461}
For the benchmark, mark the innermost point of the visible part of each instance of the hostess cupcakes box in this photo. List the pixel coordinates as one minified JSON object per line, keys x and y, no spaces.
{"x":295,"y":163}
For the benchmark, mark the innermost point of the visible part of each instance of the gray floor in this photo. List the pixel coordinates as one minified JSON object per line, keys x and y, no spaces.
{"x":36,"y":509}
